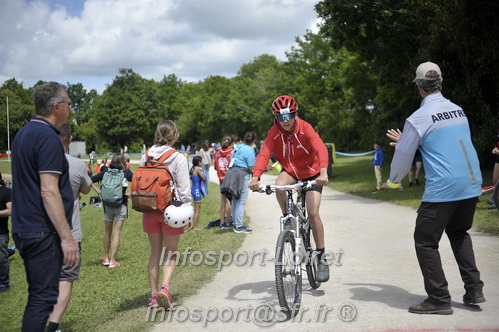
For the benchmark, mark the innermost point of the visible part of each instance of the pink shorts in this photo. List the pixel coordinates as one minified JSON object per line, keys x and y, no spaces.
{"x":155,"y":223}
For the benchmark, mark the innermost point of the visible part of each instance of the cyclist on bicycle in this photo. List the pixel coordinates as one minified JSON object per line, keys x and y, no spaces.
{"x":303,"y":156}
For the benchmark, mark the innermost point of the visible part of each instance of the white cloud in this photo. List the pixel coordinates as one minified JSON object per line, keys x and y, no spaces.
{"x":189,"y":38}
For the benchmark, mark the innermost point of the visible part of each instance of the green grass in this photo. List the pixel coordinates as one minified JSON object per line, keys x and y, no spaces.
{"x":355,"y":175}
{"x":107,"y":299}
{"x":5,"y":168}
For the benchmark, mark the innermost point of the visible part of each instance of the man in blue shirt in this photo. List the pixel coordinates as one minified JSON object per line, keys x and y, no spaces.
{"x":42,"y":203}
{"x":440,"y":129}
{"x":379,"y":156}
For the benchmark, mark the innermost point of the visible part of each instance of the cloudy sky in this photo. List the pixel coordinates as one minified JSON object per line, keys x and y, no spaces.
{"x":87,"y":41}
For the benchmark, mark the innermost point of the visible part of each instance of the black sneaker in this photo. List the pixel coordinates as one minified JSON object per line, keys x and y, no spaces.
{"x":11,"y":251}
{"x":426,"y":307}
{"x":322,"y":272}
{"x":417,"y":182}
{"x":473,"y":298}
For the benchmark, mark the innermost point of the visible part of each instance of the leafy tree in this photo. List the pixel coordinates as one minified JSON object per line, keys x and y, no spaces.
{"x":127,"y":111}
{"x":335,"y":91}
{"x":203,"y":110}
{"x":170,"y":87}
{"x":252,"y":92}
{"x":393,"y":37}
{"x":81,"y":106}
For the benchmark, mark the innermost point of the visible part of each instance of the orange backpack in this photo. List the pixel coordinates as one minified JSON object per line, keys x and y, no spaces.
{"x":151,"y":185}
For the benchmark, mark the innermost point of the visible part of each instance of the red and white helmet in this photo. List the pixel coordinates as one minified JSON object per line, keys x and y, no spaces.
{"x":284,"y":105}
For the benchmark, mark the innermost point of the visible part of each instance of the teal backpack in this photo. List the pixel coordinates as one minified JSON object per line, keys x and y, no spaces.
{"x":112,"y":187}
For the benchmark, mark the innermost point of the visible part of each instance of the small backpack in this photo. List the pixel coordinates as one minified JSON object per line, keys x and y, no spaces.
{"x":112,"y":187}
{"x":152,"y":185}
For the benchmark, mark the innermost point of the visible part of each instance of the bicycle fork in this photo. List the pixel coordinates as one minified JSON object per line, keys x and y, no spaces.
{"x":289,"y":222}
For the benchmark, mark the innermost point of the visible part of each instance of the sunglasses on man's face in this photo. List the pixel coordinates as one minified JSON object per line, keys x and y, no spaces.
{"x":283,"y":117}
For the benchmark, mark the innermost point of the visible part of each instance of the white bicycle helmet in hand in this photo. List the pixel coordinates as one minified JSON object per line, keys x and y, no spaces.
{"x":178,"y":215}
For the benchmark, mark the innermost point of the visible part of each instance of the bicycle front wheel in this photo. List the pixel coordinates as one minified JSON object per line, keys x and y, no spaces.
{"x":288,"y":282}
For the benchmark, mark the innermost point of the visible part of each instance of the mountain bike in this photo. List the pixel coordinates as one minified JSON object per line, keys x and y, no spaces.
{"x":295,"y":246}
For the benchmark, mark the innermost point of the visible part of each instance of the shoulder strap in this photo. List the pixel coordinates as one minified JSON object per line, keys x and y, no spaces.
{"x":161,"y":159}
{"x":166,"y":155}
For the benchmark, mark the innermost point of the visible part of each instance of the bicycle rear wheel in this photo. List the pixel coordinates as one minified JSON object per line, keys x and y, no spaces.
{"x":312,"y":259}
{"x":288,"y":283}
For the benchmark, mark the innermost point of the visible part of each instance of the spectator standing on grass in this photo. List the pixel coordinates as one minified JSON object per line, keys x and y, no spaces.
{"x":114,"y":217}
{"x":440,"y":129}
{"x":197,"y":190}
{"x":160,"y":234}
{"x":235,"y":185}
{"x":97,"y":168}
{"x":417,"y":163}
{"x":495,"y":174}
{"x":205,"y":154}
{"x":5,"y":211}
{"x":80,"y":183}
{"x":379,"y":157}
{"x":42,"y":203}
{"x":89,"y":169}
{"x":221,"y":165}
{"x":495,"y":151}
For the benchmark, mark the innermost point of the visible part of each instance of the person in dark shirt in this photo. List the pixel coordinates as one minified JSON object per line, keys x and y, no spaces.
{"x":5,"y":209}
{"x":42,"y":203}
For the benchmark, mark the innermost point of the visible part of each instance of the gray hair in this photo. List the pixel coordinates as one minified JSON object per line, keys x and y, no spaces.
{"x":430,"y":85}
{"x":46,"y":95}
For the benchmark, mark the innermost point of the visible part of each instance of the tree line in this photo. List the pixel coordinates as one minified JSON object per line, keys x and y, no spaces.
{"x":352,"y":80}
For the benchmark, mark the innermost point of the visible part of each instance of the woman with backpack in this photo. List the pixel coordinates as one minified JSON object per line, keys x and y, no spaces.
{"x":115,"y":202}
{"x":160,"y":234}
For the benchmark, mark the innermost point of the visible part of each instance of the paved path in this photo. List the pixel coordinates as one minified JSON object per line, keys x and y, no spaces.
{"x":374,"y":279}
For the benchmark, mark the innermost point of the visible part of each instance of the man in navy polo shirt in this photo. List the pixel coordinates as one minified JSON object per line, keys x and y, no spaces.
{"x":42,"y":203}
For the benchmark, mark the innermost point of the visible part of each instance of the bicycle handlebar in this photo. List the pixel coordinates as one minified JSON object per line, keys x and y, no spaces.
{"x":270,"y":188}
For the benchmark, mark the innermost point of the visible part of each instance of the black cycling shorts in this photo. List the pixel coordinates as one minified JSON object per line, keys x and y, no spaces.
{"x":315,"y":187}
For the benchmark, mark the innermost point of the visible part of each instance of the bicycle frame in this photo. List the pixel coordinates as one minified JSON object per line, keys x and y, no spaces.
{"x":293,"y":240}
{"x":295,"y":216}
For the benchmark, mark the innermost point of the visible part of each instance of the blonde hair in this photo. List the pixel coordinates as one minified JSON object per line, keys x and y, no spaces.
{"x":166,"y":133}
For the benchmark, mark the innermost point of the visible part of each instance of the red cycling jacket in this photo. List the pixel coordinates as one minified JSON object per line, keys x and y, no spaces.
{"x":301,"y":153}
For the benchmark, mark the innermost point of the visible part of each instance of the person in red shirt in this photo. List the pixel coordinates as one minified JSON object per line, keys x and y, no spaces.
{"x":303,"y":156}
{"x":221,"y":164}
